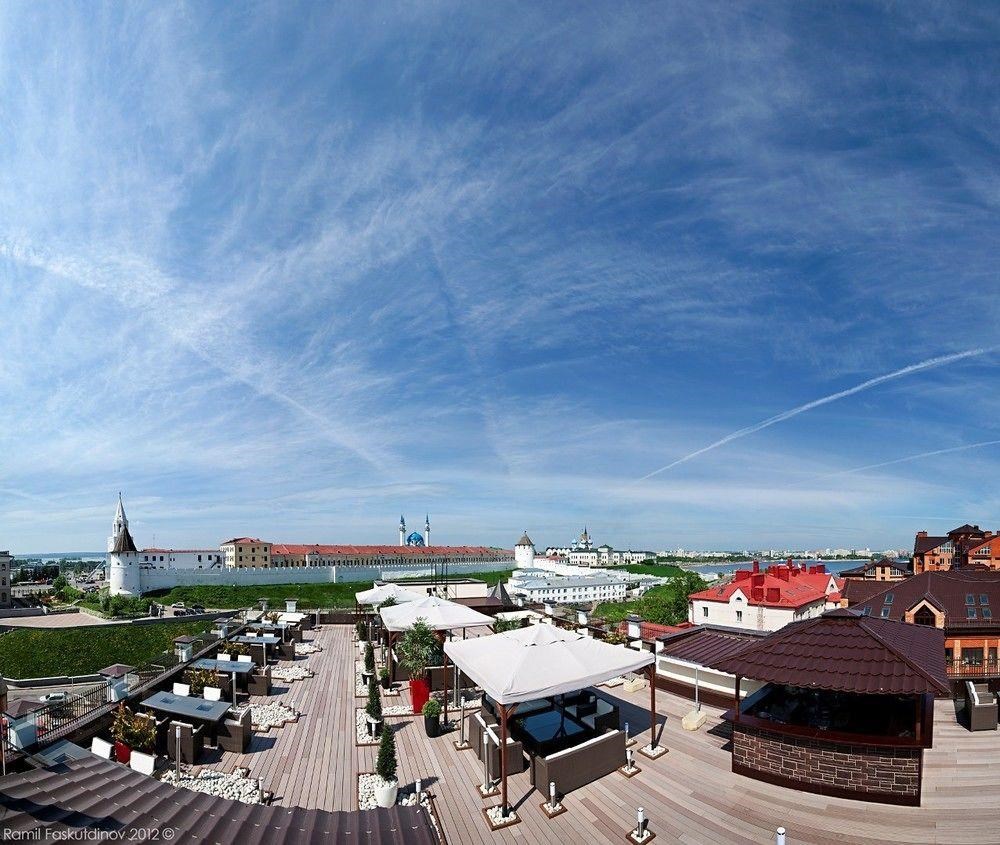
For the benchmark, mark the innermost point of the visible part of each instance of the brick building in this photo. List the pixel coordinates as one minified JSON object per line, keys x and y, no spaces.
{"x":966,"y":545}
{"x":964,"y":603}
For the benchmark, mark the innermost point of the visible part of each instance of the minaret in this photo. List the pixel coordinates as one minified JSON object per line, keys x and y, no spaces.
{"x":427,"y":530}
{"x":402,"y":530}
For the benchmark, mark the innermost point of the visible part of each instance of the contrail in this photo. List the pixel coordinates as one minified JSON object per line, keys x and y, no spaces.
{"x":904,"y":460}
{"x":833,"y":397}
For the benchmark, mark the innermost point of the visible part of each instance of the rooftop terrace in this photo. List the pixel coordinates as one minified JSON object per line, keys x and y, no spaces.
{"x":690,"y":795}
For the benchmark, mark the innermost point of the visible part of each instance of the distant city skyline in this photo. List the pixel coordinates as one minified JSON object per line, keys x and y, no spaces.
{"x":710,"y":277}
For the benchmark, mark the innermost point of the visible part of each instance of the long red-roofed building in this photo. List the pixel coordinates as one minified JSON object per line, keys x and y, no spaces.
{"x":769,"y":599}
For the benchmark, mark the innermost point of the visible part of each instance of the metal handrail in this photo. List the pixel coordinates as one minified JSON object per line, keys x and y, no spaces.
{"x":54,"y":719}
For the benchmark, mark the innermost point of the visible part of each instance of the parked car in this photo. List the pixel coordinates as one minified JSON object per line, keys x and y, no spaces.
{"x":197,"y":608}
{"x":178,"y":605}
{"x":53,"y":697}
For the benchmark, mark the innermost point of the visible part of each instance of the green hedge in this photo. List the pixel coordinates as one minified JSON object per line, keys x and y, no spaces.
{"x":41,"y":652}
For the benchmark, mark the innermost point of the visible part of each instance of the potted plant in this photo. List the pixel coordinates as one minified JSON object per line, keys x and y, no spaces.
{"x":368,"y":673}
{"x":385,"y":767}
{"x":198,"y":679}
{"x":143,"y":734}
{"x":236,"y":649}
{"x":415,"y":650}
{"x":121,"y":733}
{"x":615,"y":637}
{"x":432,"y":718}
{"x":373,"y":710}
{"x":362,"y":631}
{"x":383,"y":679}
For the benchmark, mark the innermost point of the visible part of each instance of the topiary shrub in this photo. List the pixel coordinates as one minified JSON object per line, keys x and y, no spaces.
{"x":385,"y":765}
{"x":369,"y":659}
{"x":374,"y":706}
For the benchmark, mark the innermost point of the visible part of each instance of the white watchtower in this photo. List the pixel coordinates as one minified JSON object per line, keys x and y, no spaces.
{"x":524,"y":552}
{"x":124,"y":577}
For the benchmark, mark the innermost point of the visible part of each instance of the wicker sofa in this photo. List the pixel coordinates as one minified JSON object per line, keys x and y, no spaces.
{"x":579,"y":765}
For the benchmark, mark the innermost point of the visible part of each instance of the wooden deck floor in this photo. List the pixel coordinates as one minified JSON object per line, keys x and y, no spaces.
{"x":690,"y":794}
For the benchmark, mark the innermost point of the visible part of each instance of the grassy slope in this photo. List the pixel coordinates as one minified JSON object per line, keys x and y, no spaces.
{"x":40,"y":652}
{"x":309,"y":595}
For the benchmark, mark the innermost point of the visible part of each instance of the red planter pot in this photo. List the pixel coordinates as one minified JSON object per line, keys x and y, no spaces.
{"x":122,"y":752}
{"x":420,"y":692}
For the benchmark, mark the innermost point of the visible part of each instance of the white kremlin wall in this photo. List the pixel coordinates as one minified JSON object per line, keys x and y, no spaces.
{"x":165,"y":579}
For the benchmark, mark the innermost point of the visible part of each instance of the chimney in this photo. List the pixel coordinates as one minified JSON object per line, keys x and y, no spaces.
{"x":742,"y":574}
{"x":756,"y":566}
{"x":921,"y":533}
{"x":784,"y":573}
{"x":757,"y":580}
{"x":773,"y":594}
{"x":757,"y":594}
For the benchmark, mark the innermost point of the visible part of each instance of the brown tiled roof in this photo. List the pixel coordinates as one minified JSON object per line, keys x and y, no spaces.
{"x":925,"y":544}
{"x":859,"y":571}
{"x":858,"y":590}
{"x":99,"y":795}
{"x":947,"y":591}
{"x":705,"y":644}
{"x":842,"y":650}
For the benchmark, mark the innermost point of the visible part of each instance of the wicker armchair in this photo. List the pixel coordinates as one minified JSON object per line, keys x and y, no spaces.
{"x":192,"y":742}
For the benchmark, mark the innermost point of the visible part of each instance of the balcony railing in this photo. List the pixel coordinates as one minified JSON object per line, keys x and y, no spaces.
{"x":963,"y":668}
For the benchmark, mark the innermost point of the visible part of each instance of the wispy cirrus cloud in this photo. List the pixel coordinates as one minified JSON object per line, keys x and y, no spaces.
{"x":354,"y":262}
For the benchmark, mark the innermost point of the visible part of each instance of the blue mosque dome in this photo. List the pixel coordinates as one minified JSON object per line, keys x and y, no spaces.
{"x":415,"y":539}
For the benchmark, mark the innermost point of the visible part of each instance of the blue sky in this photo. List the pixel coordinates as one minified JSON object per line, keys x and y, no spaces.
{"x":291,"y":271}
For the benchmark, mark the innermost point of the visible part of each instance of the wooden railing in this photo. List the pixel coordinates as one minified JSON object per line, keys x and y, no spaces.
{"x":966,"y":669}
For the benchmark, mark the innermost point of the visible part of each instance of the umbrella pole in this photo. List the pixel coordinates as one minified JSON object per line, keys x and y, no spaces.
{"x":445,"y":689}
{"x":392,"y":663}
{"x":503,"y":761}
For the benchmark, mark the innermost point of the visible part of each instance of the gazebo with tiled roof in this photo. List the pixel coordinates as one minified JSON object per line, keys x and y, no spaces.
{"x":846,"y":709}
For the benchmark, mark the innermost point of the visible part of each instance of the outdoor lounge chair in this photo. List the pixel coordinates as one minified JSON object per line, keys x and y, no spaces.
{"x":192,"y":742}
{"x":259,"y":683}
{"x":101,"y":747}
{"x":579,"y":765}
{"x":182,"y":689}
{"x":981,"y":705}
{"x":144,"y":764}
{"x":287,"y":650}
{"x":235,"y":733}
{"x":598,"y":715}
{"x":515,"y":754}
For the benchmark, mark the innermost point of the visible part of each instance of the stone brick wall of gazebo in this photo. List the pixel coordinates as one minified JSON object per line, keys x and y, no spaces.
{"x":867,"y":772}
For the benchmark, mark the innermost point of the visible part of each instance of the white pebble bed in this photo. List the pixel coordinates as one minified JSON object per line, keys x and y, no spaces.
{"x":307,"y":648}
{"x":236,"y":786}
{"x":366,"y":796}
{"x":397,"y":710}
{"x":361,"y":728}
{"x":267,"y":716}
{"x":290,"y":673}
{"x":660,"y":749}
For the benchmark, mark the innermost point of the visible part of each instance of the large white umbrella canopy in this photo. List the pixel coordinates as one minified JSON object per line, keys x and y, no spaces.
{"x":377,"y":595}
{"x":439,"y":614}
{"x":541,"y":661}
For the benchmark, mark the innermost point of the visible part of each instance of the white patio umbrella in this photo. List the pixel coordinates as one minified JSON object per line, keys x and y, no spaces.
{"x":377,"y":595}
{"x":439,"y":615}
{"x":541,"y":661}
